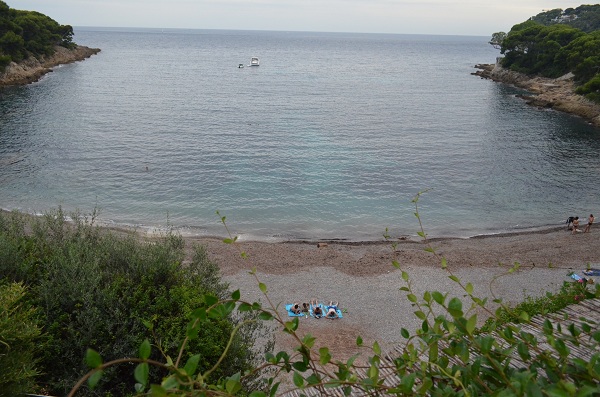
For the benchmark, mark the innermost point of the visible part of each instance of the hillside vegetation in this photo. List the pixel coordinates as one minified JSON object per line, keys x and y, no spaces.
{"x":554,"y":43}
{"x":584,"y":17}
{"x":25,"y":34}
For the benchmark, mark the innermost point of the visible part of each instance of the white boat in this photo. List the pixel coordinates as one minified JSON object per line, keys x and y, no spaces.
{"x":254,"y":61}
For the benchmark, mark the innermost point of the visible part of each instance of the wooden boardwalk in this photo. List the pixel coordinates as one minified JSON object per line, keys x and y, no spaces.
{"x":587,"y":312}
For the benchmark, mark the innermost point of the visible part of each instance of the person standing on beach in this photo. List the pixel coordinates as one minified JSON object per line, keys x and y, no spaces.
{"x":589,"y":225}
{"x":576,"y":225}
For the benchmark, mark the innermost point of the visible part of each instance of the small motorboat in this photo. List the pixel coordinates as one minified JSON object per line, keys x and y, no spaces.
{"x":254,"y":61}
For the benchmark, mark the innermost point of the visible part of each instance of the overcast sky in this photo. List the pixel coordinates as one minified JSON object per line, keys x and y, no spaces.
{"x":451,"y":17}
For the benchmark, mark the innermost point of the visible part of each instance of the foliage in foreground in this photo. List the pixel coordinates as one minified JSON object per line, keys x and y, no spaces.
{"x":19,"y":341}
{"x":94,"y":289}
{"x":447,"y":356}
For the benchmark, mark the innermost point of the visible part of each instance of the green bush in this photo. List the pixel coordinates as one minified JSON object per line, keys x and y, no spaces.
{"x":96,"y":289}
{"x":20,"y":341}
{"x":569,"y":294}
{"x":5,"y":60}
{"x":591,"y":89}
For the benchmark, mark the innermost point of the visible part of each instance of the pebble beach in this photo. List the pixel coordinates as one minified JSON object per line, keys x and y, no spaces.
{"x":363,"y":279}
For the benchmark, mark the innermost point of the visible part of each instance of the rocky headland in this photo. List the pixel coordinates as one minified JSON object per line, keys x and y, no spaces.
{"x":33,"y":69}
{"x":558,"y":94}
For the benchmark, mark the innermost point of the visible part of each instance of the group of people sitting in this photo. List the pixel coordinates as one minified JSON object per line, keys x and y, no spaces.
{"x":316,"y":309}
{"x":573,"y":224}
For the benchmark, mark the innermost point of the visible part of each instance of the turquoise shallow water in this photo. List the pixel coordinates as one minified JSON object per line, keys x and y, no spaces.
{"x":331,"y":137}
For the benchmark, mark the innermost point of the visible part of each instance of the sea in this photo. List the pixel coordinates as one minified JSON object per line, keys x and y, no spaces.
{"x":332,"y":137}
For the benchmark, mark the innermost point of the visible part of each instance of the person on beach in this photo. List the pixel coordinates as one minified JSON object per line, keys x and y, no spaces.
{"x":576,"y":225}
{"x":331,"y":313}
{"x":296,"y":309}
{"x":589,"y":225}
{"x":570,"y":222}
{"x":318,"y":312}
{"x":316,"y":308}
{"x":332,"y":310}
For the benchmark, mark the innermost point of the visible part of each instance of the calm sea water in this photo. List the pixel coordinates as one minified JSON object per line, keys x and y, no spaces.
{"x":330,"y":137}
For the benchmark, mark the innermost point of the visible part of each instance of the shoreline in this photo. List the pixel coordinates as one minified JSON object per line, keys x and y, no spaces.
{"x":362,"y":277}
{"x":404,"y":238}
{"x":31,"y":70}
{"x":151,"y":231}
{"x":527,"y":248}
{"x":558,"y":94}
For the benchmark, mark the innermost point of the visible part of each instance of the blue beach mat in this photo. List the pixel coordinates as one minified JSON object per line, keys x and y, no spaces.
{"x":592,"y":272}
{"x":291,"y":313}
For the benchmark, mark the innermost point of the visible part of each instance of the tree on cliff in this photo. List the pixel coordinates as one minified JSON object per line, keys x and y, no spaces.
{"x":531,"y":48}
{"x":552,"y":50}
{"x":497,"y":39}
{"x":25,"y":34}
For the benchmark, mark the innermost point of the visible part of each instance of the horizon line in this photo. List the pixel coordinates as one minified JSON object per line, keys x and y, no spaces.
{"x":273,"y":30}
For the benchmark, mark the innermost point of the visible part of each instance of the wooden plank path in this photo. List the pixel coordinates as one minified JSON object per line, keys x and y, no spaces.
{"x":585,"y":312}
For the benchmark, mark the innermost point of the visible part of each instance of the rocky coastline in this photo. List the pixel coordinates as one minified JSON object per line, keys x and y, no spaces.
{"x":32,"y":69}
{"x":558,"y":94}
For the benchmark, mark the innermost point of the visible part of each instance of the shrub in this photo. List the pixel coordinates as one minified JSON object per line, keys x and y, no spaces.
{"x":95,"y":289}
{"x":5,"y":60}
{"x":569,"y":294}
{"x":591,"y":89}
{"x":20,"y":341}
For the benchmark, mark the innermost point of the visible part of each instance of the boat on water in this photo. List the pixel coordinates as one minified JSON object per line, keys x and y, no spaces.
{"x":254,"y":61}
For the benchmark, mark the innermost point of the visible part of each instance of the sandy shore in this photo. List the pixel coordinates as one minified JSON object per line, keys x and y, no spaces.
{"x":362,"y":278}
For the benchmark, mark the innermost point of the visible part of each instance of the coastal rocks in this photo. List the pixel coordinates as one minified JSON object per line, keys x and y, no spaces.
{"x":558,"y":94}
{"x":33,"y":69}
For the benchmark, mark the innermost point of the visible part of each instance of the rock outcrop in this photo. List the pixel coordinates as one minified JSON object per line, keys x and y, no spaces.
{"x":33,"y":69}
{"x":558,"y":94}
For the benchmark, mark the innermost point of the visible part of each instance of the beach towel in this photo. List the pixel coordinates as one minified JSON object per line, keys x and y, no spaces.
{"x":288,"y":307}
{"x":576,"y":277}
{"x":580,"y":279}
{"x":592,"y":272}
